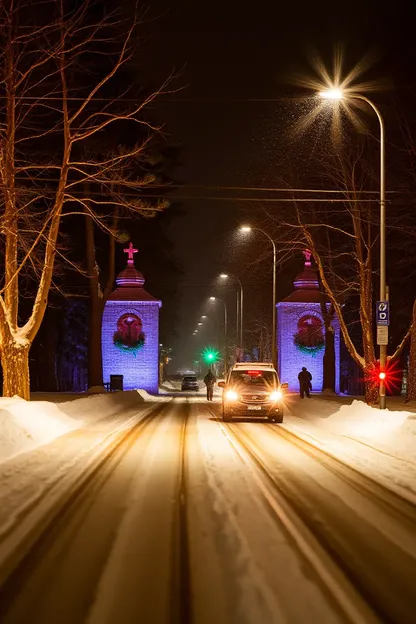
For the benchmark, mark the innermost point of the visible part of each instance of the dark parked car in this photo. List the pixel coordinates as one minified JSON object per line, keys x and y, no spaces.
{"x":190,"y":382}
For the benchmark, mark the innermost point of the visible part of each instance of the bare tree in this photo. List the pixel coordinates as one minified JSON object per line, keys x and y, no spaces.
{"x":411,"y":375}
{"x":56,"y":97}
{"x":343,"y":238}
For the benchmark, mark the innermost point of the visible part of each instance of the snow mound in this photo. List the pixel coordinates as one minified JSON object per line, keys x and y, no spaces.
{"x":388,"y":430}
{"x":167,"y":385}
{"x":25,"y":425}
{"x":363,"y":420}
{"x":145,"y":396}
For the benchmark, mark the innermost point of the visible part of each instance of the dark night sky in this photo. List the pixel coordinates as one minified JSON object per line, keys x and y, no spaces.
{"x":228,"y":53}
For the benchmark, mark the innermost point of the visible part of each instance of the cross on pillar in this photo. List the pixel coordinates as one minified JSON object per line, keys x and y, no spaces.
{"x":130,"y":251}
{"x":308,"y":254}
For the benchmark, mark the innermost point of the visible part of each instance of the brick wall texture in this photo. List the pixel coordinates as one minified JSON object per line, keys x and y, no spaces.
{"x":140,"y":370}
{"x":290,"y":359}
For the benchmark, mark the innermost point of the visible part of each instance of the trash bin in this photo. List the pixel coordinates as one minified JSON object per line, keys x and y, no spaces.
{"x":116,"y":382}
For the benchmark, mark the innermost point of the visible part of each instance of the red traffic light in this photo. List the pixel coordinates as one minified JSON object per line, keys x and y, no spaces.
{"x":390,"y":376}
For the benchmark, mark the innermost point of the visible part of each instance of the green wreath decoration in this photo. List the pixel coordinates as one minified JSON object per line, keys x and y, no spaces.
{"x":309,"y":338}
{"x":312,"y":350}
{"x":132,"y":348}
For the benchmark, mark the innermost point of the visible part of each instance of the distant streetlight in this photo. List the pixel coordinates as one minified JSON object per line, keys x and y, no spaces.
{"x":199,"y":324}
{"x":246,"y":229}
{"x":204,"y":316}
{"x":338,"y":94}
{"x":214,"y":299}
{"x":225,"y":276}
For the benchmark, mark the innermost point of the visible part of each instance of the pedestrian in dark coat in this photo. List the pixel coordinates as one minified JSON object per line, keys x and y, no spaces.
{"x":305,"y":385}
{"x":209,"y":381}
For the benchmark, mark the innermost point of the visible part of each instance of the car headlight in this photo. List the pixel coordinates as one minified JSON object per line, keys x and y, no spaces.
{"x":231,"y":395}
{"x":276,"y":395}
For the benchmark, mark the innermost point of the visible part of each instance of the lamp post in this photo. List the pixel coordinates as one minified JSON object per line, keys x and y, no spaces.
{"x":247,"y":228}
{"x":338,"y":94}
{"x":214,"y":299}
{"x":225,"y":276}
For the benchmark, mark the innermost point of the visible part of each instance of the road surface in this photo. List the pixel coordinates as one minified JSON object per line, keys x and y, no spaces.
{"x":183,"y":518}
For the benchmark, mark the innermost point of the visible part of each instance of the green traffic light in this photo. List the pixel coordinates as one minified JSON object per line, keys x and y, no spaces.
{"x":210,"y":355}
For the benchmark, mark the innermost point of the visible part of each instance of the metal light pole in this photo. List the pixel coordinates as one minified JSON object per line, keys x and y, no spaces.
{"x":274,"y":326}
{"x":337,"y":94}
{"x":240,"y":303}
{"x":225,"y":328}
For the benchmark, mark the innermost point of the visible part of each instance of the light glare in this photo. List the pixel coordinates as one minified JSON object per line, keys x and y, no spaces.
{"x":223,"y":276}
{"x":332,"y":94}
{"x":245,"y":228}
{"x":231,"y":395}
{"x":276,"y":395}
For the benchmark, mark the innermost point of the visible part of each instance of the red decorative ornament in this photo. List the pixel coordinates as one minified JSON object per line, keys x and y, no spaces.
{"x":129,"y":335}
{"x":309,"y":337}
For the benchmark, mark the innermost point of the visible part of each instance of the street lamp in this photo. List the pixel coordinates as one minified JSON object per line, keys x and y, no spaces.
{"x":214,"y":299}
{"x":247,"y":228}
{"x":225,"y":276}
{"x":199,"y":324}
{"x":338,"y":94}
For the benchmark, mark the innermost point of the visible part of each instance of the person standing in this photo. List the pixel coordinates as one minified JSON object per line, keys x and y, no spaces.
{"x":209,"y":381}
{"x":305,"y":385}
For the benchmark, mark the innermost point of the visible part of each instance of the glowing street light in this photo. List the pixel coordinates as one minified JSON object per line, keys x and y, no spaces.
{"x":199,"y":324}
{"x":248,"y":228}
{"x":225,"y":276}
{"x":338,"y":94}
{"x":203,"y":316}
{"x":332,"y":94}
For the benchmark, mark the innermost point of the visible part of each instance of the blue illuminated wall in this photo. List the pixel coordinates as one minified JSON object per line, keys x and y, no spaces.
{"x":290,"y":318}
{"x":140,"y":368}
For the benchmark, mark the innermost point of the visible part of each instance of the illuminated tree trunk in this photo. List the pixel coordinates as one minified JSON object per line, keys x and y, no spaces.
{"x":15,"y":365}
{"x":328,"y":382}
{"x":411,"y":374}
{"x":97,"y":299}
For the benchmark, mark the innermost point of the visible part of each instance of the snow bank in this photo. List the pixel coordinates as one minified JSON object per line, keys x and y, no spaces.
{"x":89,"y":408}
{"x":145,"y":396}
{"x":388,"y":430}
{"x":167,"y":385}
{"x":26,"y":425}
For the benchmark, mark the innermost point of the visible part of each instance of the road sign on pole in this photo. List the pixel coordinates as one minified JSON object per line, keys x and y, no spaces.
{"x":382,"y":313}
{"x":382,"y":335}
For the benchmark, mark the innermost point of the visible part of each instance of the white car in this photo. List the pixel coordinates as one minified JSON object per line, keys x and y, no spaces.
{"x":253,"y":389}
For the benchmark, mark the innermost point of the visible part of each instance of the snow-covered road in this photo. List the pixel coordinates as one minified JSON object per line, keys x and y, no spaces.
{"x":176,"y":516}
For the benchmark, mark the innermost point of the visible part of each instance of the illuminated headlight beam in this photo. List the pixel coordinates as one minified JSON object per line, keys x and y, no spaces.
{"x":231,"y":395}
{"x":276,"y":395}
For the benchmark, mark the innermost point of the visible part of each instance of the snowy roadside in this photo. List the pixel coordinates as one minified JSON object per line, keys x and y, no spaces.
{"x":26,"y":425}
{"x":379,"y":443}
{"x":35,"y":485}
